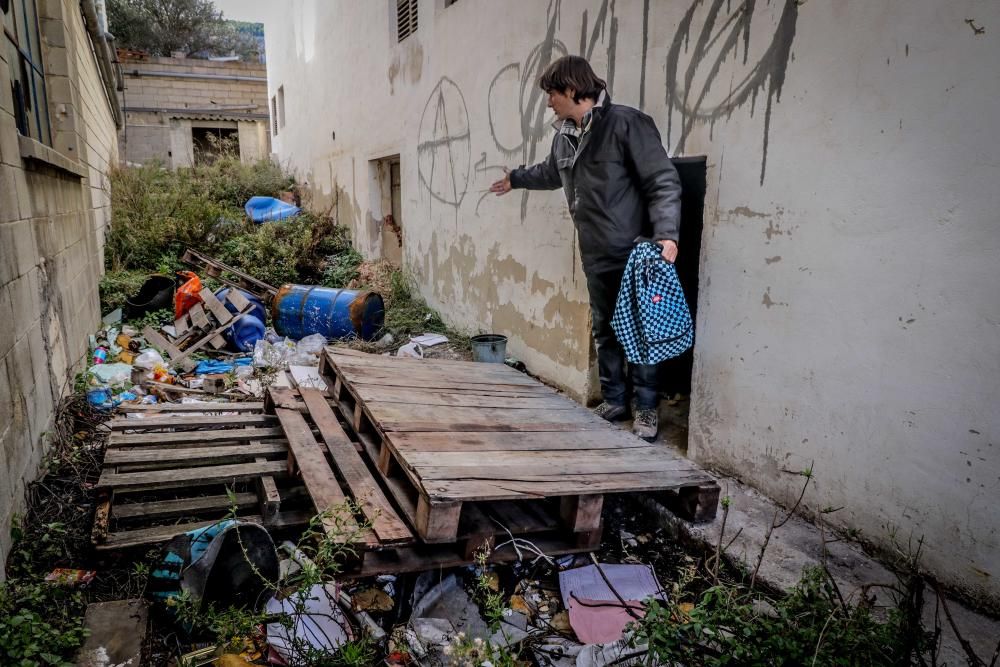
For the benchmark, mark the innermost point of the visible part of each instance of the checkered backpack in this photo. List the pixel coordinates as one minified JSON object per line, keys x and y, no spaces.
{"x":651,"y":320}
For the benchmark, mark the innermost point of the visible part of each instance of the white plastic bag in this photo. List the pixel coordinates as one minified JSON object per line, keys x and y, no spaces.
{"x":148,"y":359}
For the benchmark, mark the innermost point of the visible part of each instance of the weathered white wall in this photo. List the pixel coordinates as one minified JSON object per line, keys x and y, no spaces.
{"x":847,"y":317}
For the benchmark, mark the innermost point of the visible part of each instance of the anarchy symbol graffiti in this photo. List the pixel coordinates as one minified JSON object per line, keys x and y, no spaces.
{"x":444,"y":152}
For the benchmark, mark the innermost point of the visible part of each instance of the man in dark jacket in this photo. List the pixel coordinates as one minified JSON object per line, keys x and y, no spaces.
{"x":620,"y":185}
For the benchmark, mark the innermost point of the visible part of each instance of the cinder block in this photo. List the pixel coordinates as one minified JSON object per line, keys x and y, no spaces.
{"x":25,"y":304}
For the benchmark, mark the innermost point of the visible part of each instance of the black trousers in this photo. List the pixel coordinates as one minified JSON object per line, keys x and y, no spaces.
{"x":612,"y":368}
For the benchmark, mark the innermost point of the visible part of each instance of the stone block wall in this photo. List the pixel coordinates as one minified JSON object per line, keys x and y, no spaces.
{"x":54,"y":208}
{"x":165,"y":97}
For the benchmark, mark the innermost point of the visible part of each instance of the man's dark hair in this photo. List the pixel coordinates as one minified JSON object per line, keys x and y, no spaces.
{"x":572,"y":72}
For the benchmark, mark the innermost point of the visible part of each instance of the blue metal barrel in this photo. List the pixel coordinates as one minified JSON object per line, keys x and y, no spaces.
{"x":249,"y":329}
{"x":301,"y":310}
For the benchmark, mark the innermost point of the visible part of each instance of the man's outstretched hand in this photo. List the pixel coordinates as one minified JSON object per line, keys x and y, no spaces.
{"x":502,"y":186}
{"x":669,"y":250}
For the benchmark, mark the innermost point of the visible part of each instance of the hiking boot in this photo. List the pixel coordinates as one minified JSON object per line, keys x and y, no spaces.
{"x":612,"y":413}
{"x":646,"y":424}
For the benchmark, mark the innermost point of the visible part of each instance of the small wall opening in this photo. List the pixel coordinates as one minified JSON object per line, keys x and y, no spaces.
{"x":675,"y":374}
{"x":388,"y":207}
{"x":210,"y":143}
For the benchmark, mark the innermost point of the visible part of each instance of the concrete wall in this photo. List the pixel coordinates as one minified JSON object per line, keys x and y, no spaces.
{"x":54,"y":205}
{"x":847,"y":315}
{"x":165,"y":97}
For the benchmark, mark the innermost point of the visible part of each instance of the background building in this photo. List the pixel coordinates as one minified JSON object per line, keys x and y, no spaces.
{"x":178,"y":109}
{"x":846,"y":278}
{"x":58,"y":140}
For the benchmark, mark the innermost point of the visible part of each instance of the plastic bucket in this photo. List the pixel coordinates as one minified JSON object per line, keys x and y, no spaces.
{"x":156,"y":293}
{"x":489,"y":348}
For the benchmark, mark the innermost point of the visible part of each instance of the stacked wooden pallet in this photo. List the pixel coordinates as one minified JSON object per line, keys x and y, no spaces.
{"x":200,"y":327}
{"x":438,"y":459}
{"x":168,"y":468}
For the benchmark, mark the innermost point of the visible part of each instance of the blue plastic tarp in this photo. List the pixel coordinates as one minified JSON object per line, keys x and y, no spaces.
{"x":268,"y":209}
{"x":216,"y":366}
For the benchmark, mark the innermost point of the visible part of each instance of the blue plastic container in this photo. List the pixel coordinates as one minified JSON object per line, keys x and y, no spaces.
{"x":269,"y":209}
{"x":301,"y":310}
{"x":249,"y":329}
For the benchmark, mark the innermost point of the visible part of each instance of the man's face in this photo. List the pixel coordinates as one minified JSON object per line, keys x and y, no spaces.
{"x":562,"y":103}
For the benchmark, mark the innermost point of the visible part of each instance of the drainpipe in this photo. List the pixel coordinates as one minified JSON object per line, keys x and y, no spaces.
{"x":103,"y":51}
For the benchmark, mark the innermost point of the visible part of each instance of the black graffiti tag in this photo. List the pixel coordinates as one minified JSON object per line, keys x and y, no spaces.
{"x":444,"y":151}
{"x":721,"y":34}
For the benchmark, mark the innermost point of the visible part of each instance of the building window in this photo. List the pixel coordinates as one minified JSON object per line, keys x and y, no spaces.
{"x":27,"y":78}
{"x":274,"y":116}
{"x":281,"y":106}
{"x":449,"y":3}
{"x":406,"y":18}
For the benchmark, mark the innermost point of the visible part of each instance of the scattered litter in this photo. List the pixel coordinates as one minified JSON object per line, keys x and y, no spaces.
{"x":410,"y":350}
{"x":306,"y":377}
{"x":317,"y":621}
{"x":111,"y":374}
{"x":69,"y":577}
{"x":148,"y":359}
{"x":429,"y":339}
{"x":207,"y":366}
{"x":112,"y":318}
{"x":596,"y":612}
{"x":372,"y":599}
{"x":187,"y":295}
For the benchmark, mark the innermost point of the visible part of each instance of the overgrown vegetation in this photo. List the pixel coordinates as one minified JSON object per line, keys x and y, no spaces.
{"x":194,"y":27}
{"x":41,"y":623}
{"x":156,"y":213}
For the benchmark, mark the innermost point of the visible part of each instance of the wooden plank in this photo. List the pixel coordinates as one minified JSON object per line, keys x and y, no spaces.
{"x":490,"y":426}
{"x":541,"y":486}
{"x":198,"y":317}
{"x":219,"y":454}
{"x":187,"y":438}
{"x":521,"y":517}
{"x":429,"y":368}
{"x":431,"y":397}
{"x":431,"y":474}
{"x":437,"y":522}
{"x":182,"y":507}
{"x":364,"y":489}
{"x":432,"y":557}
{"x":158,"y":341}
{"x":323,"y":487}
{"x":581,"y":513}
{"x":204,"y":341}
{"x":190,"y":421}
{"x":235,"y":406}
{"x":267,"y":493}
{"x":487,"y":442}
{"x":235,"y":297}
{"x":182,"y":325}
{"x":166,"y":479}
{"x":562,"y":460}
{"x":216,"y":307}
{"x":414,"y":381}
{"x":158,"y":534}
{"x":450,"y":416}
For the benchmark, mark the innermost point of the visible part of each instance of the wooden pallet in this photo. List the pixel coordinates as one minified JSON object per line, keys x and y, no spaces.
{"x":447,"y":435}
{"x":331,"y":459}
{"x":168,"y":472}
{"x":218,"y":270}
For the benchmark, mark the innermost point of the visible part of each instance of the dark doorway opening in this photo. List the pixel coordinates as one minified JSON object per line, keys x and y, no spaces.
{"x":212,"y":142}
{"x":675,"y":376}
